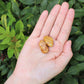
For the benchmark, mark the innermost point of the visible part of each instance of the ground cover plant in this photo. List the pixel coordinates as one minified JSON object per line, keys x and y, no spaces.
{"x":17,"y":20}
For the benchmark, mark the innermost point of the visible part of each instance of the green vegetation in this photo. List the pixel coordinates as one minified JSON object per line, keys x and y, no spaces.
{"x":17,"y":20}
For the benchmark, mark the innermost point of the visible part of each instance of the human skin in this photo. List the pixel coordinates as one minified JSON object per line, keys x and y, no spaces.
{"x":35,"y":67}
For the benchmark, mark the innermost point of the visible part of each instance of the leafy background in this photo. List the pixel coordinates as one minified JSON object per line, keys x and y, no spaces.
{"x":17,"y":20}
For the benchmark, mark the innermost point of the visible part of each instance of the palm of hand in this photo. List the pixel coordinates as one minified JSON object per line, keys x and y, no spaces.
{"x":42,"y":67}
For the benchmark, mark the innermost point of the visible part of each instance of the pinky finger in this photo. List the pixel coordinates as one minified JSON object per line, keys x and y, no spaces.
{"x":65,"y":57}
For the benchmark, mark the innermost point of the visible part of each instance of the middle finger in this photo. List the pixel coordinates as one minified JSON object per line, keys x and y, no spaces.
{"x":60,"y":20}
{"x":50,"y":20}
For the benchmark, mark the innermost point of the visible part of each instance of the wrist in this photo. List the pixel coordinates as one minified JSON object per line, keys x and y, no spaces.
{"x":21,"y":80}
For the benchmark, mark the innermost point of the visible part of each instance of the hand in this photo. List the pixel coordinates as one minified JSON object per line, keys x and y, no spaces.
{"x":32,"y":63}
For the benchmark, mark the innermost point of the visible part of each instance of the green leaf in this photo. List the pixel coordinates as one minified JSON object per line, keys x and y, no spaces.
{"x":79,"y":12}
{"x":38,"y":1}
{"x":9,"y":73}
{"x":2,"y":7}
{"x":8,"y":5}
{"x":26,"y":10}
{"x":43,"y":5}
{"x":2,"y":30}
{"x":78,"y":43}
{"x":71,"y":3}
{"x":12,"y":33}
{"x":11,"y":18}
{"x":31,"y":21}
{"x":4,"y":21}
{"x":76,"y":69}
{"x":74,"y":62}
{"x":26,"y":17}
{"x":35,"y":10}
{"x":2,"y":67}
{"x":2,"y":36}
{"x":16,"y":53}
{"x":27,"y":2}
{"x":15,"y":7}
{"x":8,"y":31}
{"x":10,"y":52}
{"x":77,"y":22}
{"x":13,"y":63}
{"x":2,"y":47}
{"x":19,"y":26}
{"x":18,"y":43}
{"x":77,"y":5}
{"x":52,"y":3}
{"x":2,"y":4}
{"x":68,"y":79}
{"x":4,"y":71}
{"x":78,"y":57}
{"x":75,"y":31}
{"x":61,"y":1}
{"x":82,"y":1}
{"x":6,"y":40}
{"x":22,"y":36}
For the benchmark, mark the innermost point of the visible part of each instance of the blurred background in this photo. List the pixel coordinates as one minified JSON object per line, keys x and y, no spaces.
{"x":18,"y":19}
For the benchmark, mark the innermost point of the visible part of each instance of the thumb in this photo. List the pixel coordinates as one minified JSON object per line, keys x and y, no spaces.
{"x":65,"y":57}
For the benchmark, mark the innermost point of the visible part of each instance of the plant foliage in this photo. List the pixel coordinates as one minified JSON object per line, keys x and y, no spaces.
{"x":17,"y":20}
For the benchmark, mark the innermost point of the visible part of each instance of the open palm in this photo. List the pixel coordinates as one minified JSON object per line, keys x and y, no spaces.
{"x":37,"y":65}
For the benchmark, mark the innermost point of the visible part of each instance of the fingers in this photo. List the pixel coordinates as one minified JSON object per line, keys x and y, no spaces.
{"x":50,"y":20}
{"x":59,"y":21}
{"x":38,"y":28}
{"x":66,"y":28}
{"x":65,"y":57}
